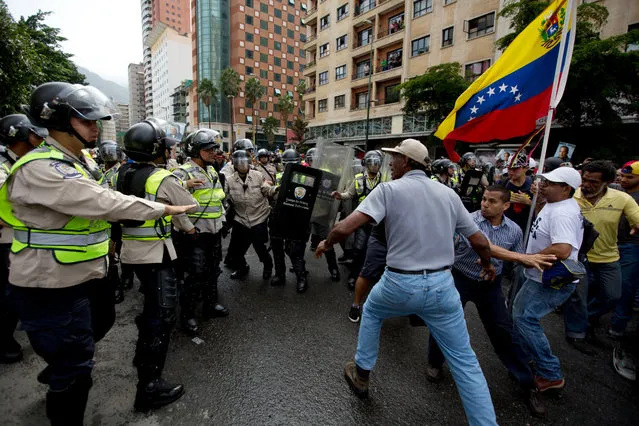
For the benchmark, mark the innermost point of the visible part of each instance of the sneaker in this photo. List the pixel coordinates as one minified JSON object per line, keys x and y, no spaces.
{"x":357,"y":383}
{"x":624,"y":365}
{"x":355,"y":314}
{"x":434,"y":374}
{"x":580,"y":345}
{"x":544,"y":385}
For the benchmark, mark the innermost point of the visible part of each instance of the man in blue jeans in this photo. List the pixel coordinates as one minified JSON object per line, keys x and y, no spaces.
{"x":421,"y":218}
{"x":557,"y":230}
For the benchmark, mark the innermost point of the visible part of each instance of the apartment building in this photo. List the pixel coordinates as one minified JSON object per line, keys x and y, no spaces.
{"x":137,"y":110}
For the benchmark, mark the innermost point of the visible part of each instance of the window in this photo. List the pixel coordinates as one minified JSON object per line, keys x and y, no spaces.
{"x":263,"y":106}
{"x":290,"y":34}
{"x":474,"y":70}
{"x":393,"y":60}
{"x":340,"y":102}
{"x":249,"y":70}
{"x":263,"y":74}
{"x":249,"y":19}
{"x":322,"y":105}
{"x":323,"y":78}
{"x":391,"y":94}
{"x":277,"y":61}
{"x":363,"y":69}
{"x":421,"y":45}
{"x":324,"y":50}
{"x":277,"y":92}
{"x":249,"y":3}
{"x":277,"y":29}
{"x":278,"y":77}
{"x":290,"y":50}
{"x":447,"y":36}
{"x":631,"y":47}
{"x":249,"y":119}
{"x":325,"y":21}
{"x":362,"y":100}
{"x":249,"y":37}
{"x":289,"y":79}
{"x":278,"y":45}
{"x":302,"y":53}
{"x":249,"y":53}
{"x":264,"y":7}
{"x":263,"y":24}
{"x":290,"y":65}
{"x":291,"y":18}
{"x":263,"y":57}
{"x":278,"y":13}
{"x":303,"y":38}
{"x":447,"y":2}
{"x":422,"y":7}
{"x":289,"y":94}
{"x":263,"y":41}
{"x":291,"y":2}
{"x":248,"y":104}
{"x":364,"y":37}
{"x":395,"y":23}
{"x":341,"y":43}
{"x":481,"y":26}
{"x":342,"y":12}
{"x":366,"y":5}
{"x":340,"y":72}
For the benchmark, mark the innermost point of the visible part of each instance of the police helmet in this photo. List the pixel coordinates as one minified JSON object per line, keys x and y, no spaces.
{"x":263,"y":153}
{"x":53,"y":104}
{"x":244,"y":144}
{"x":442,"y":165}
{"x":145,"y":141}
{"x":372,"y":158}
{"x":241,"y":160}
{"x":291,"y":156}
{"x":110,"y":152}
{"x":311,"y":153}
{"x":200,"y":140}
{"x":16,"y":128}
{"x":467,"y":158}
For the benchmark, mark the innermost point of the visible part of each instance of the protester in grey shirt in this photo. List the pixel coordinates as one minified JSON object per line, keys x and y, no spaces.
{"x":421,"y":218}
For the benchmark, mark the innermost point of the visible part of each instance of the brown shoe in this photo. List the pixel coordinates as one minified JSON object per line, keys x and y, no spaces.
{"x":544,"y":385}
{"x":355,"y":381}
{"x":535,"y":403}
{"x":434,"y":374}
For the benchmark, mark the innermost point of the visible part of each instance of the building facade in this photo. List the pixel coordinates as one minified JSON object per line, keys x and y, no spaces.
{"x":137,"y":110}
{"x":180,"y":102}
{"x":123,"y":123}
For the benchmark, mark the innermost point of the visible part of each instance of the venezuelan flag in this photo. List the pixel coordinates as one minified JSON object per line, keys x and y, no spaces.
{"x":506,"y":101}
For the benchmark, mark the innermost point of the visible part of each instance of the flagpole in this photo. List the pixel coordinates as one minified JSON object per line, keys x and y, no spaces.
{"x":555,"y":95}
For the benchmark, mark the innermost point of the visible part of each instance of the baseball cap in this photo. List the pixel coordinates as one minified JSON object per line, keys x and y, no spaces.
{"x":413,"y":149}
{"x":518,"y":161}
{"x":552,"y":163}
{"x":566,"y":175}
{"x":631,"y":167}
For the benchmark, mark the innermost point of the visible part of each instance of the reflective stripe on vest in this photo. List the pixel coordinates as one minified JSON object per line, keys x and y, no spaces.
{"x":360,"y":186}
{"x":209,"y":195}
{"x":79,"y":240}
{"x":5,"y":164}
{"x":151,"y":230}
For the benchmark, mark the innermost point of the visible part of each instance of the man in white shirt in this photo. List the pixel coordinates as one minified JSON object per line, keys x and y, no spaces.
{"x":557,"y":230}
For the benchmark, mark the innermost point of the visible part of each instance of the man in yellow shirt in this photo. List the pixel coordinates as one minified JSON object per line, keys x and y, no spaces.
{"x":604,"y":207}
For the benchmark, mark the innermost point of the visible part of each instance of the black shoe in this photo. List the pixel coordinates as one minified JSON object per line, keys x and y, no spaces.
{"x":127,"y":283}
{"x":190,"y":326}
{"x":351,"y":283}
{"x":335,"y":276}
{"x":344,"y":259}
{"x":44,"y":376}
{"x":535,"y":403}
{"x":155,"y":394}
{"x":302,"y":285}
{"x":592,"y":339}
{"x":267,"y":272}
{"x":278,"y":280}
{"x":355,"y":314}
{"x":119,"y":296}
{"x":12,"y":352}
{"x":240,"y":273}
{"x":434,"y":374}
{"x":216,"y":311}
{"x":580,"y":345}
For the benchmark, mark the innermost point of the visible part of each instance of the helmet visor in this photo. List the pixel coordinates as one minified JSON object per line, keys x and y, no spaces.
{"x":241,"y":164}
{"x":109,"y":153}
{"x":90,"y":104}
{"x":373,"y":161}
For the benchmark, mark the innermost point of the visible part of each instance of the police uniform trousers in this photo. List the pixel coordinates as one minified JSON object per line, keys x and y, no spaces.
{"x":295,"y":251}
{"x":63,"y":325}
{"x":159,"y":287}
{"x":201,"y":254}
{"x":241,"y":239}
{"x":360,"y":242}
{"x":8,"y":315}
{"x":319,"y":233}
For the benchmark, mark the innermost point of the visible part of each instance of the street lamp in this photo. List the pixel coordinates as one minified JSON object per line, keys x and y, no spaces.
{"x":230,"y":98}
{"x":370,"y":76}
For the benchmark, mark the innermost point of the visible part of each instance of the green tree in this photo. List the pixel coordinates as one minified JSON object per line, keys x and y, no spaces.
{"x":301,"y":91}
{"x":270,"y":127}
{"x":230,"y":87}
{"x":299,"y":129}
{"x":286,"y":106}
{"x":30,"y":55}
{"x":207,"y":91}
{"x":434,"y":92}
{"x":254,"y":91}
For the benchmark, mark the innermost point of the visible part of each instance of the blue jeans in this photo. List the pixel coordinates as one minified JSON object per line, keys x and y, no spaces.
{"x":533,"y":302}
{"x":604,"y":289}
{"x":434,"y":298}
{"x":629,"y":263}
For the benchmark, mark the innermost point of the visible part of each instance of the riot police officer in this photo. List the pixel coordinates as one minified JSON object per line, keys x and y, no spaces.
{"x":472,"y":182}
{"x":310,"y":155}
{"x":294,"y":248}
{"x":18,"y":136}
{"x":59,"y":215}
{"x":444,"y":172}
{"x":201,"y":254}
{"x":243,"y":145}
{"x":363,"y":184}
{"x":264,"y":166}
{"x":148,"y":247}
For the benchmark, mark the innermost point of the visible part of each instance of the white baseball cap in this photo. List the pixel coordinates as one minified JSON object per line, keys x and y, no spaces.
{"x":564,"y":175}
{"x":413,"y":149}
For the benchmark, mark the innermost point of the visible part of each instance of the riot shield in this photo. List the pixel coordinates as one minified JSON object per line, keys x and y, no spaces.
{"x":295,"y":202}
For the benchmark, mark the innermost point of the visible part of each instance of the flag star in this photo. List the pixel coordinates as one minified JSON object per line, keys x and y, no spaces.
{"x":471,"y":118}
{"x":491,"y":91}
{"x":480,"y":100}
{"x":474,"y":110}
{"x":514,"y":89}
{"x":518,"y":97}
{"x":502,"y":88}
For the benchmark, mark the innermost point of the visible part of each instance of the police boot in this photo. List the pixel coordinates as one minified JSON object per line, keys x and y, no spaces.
{"x":127,"y":276}
{"x":156,"y":393}
{"x":211,"y":307}
{"x":351,"y":283}
{"x":11,"y":351}
{"x":66,"y":407}
{"x":331,"y":261}
{"x":240,"y":273}
{"x":278,"y":280}
{"x":188,"y":304}
{"x":302,"y":282}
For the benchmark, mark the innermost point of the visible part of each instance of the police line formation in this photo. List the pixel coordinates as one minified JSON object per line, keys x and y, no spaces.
{"x":70,"y":226}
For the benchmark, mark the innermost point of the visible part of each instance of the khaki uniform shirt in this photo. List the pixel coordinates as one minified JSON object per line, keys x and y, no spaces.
{"x":136,"y":252}
{"x":268,"y":171}
{"x":249,"y":197}
{"x":45,"y":195}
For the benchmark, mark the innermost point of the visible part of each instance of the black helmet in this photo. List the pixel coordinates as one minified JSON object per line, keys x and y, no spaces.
{"x":241,"y":159}
{"x":290,"y":156}
{"x":202,"y":139}
{"x":16,"y":128}
{"x":53,"y":104}
{"x":263,"y":153}
{"x":145,"y":141}
{"x":110,"y":152}
{"x":442,"y":165}
{"x":372,"y":157}
{"x":311,"y":153}
{"x":243,"y":144}
{"x":467,"y":158}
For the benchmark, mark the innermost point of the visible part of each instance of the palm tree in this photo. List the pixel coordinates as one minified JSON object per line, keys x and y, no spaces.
{"x":254,"y":91}
{"x":270,"y":126}
{"x":207,"y":92}
{"x":285,"y":105}
{"x":301,"y":91}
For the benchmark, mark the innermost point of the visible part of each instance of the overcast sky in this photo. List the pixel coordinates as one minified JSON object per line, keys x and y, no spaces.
{"x":103,"y":36}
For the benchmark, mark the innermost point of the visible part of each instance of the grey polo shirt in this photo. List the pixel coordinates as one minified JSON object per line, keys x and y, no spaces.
{"x":421,"y":218}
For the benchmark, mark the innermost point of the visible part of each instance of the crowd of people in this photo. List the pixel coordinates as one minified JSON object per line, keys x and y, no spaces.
{"x":420,"y":240}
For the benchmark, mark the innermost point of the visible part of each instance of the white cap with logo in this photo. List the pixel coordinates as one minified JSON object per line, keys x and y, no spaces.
{"x":564,"y":175}
{"x":413,"y":149}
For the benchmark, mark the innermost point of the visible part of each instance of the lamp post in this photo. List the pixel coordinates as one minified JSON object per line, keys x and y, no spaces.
{"x":230,"y":98}
{"x":370,"y":77}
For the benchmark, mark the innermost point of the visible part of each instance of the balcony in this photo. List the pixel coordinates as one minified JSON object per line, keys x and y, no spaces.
{"x":364,"y":7}
{"x":311,"y":41}
{"x":389,"y":35}
{"x":360,"y":75}
{"x":389,"y":66}
{"x":385,"y":5}
{"x":310,"y":12}
{"x":309,"y":68}
{"x":389,"y":101}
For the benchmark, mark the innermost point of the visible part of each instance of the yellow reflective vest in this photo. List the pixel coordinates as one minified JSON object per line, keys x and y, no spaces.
{"x":209,"y":195}
{"x":79,"y":240}
{"x":361,"y":187}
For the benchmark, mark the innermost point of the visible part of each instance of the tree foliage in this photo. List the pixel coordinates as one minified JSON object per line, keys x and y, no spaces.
{"x":207,"y":91}
{"x":301,"y":91}
{"x":230,"y":82}
{"x":30,"y":55}
{"x":253,"y":92}
{"x":286,"y":106}
{"x":270,"y":127}
{"x":299,"y":129}
{"x":435,"y":91}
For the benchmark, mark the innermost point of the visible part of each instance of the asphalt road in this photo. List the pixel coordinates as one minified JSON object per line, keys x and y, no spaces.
{"x":279,"y":358}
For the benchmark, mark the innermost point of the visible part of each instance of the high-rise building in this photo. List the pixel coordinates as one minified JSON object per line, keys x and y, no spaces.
{"x":170,"y":65}
{"x":266,"y":42}
{"x":175,"y":14}
{"x":180,"y":102}
{"x":137,"y":110}
{"x":122,"y":124}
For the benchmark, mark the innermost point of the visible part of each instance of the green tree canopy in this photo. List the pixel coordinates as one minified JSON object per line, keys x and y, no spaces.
{"x":286,"y":106}
{"x":207,"y":91}
{"x":270,"y":127}
{"x":230,"y":82}
{"x":253,"y":92}
{"x":299,"y":129}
